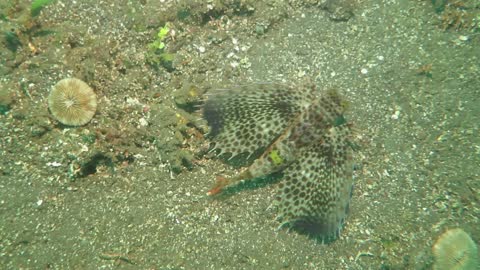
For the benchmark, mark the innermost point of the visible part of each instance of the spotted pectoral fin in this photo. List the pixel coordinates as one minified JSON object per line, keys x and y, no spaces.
{"x":247,"y":118}
{"x":314,"y":196}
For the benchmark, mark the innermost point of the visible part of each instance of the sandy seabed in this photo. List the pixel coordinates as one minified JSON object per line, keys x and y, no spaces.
{"x":127,"y":190}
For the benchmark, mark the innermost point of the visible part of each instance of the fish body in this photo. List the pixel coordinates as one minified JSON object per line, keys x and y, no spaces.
{"x":304,"y":135}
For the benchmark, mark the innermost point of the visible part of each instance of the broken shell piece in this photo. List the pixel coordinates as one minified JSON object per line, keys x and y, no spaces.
{"x":72,"y":102}
{"x":455,"y":250}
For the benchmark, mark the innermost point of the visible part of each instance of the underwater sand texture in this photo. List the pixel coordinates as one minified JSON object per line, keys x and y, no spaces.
{"x":106,"y":195}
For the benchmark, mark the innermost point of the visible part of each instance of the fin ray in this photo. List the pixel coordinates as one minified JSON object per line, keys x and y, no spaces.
{"x":250,"y":117}
{"x":314,"y":196}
